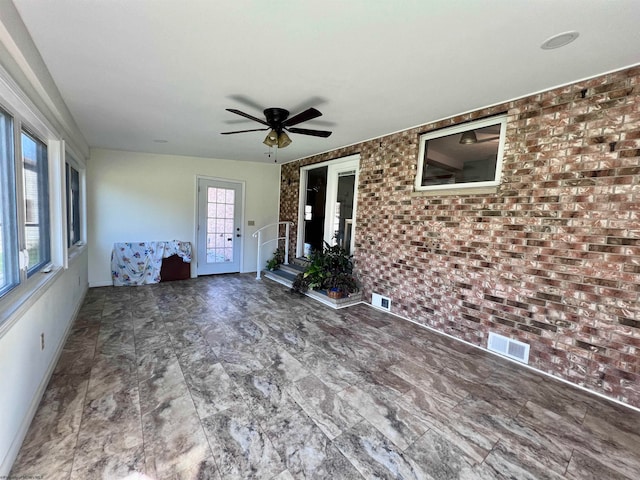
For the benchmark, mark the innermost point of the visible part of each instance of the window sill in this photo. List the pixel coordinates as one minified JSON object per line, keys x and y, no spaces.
{"x":455,"y":191}
{"x":75,"y":251}
{"x":17,"y":302}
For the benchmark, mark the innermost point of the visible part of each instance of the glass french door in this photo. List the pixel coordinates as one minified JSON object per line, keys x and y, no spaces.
{"x":219,"y":226}
{"x":340,"y":204}
{"x":328,"y":205}
{"x":314,"y":209}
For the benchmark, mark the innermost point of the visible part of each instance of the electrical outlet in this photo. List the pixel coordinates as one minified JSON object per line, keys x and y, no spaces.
{"x":42,"y":341}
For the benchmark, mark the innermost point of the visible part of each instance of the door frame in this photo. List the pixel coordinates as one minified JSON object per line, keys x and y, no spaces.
{"x":194,"y":250}
{"x":332,"y":164}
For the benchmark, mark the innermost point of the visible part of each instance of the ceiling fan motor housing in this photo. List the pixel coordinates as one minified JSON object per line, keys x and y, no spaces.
{"x":275,"y":117}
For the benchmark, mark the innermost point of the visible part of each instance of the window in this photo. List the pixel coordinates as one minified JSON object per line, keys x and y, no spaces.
{"x":73,"y":205}
{"x":36,"y":201}
{"x":9,"y":268}
{"x":25,"y":234}
{"x":463,"y":156}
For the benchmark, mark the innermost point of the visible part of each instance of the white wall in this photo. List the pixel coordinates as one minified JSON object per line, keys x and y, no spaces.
{"x":143,"y":197}
{"x":29,"y":90}
{"x":25,"y":368}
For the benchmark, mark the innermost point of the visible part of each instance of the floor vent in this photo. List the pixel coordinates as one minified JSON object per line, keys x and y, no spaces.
{"x":379,"y":301}
{"x":508,"y":347}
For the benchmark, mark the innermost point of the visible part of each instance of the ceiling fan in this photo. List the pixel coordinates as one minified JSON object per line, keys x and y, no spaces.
{"x":277,"y":120}
{"x":469,"y":137}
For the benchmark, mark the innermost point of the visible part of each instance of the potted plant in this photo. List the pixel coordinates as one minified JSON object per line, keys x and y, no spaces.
{"x":313,"y":276}
{"x":330,"y":269}
{"x":341,"y":285}
{"x":278,"y":257}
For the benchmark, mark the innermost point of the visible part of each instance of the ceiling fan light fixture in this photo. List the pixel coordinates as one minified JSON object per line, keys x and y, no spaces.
{"x":468,"y":138}
{"x":283,"y":140}
{"x":271,"y":139}
{"x":276,"y":121}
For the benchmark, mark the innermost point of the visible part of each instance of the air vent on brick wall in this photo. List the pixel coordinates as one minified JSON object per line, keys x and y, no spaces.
{"x":508,"y":347}
{"x":379,"y":301}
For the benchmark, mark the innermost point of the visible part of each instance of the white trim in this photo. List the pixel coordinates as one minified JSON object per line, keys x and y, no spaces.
{"x":301,"y":203}
{"x":243,"y":187}
{"x":18,"y":103}
{"x":355,"y":159}
{"x":27,"y":117}
{"x":529,"y":367}
{"x":57,"y":203}
{"x":333,"y":174}
{"x":464,"y":127}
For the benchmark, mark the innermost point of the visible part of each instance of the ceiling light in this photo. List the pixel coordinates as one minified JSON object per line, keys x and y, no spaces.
{"x":275,"y":139}
{"x":160,"y":140}
{"x":272,"y":139}
{"x":283,"y":140}
{"x":468,"y":138}
{"x":559,"y":40}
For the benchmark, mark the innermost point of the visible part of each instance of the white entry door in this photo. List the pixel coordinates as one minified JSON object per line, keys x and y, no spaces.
{"x":219,"y":226}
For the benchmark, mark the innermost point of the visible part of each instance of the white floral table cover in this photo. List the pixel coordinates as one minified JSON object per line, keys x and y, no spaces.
{"x":139,"y":263}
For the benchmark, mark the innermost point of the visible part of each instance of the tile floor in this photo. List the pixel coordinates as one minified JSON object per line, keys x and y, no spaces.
{"x":227,"y":377}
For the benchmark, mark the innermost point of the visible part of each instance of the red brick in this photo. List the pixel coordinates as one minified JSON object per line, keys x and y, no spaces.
{"x":553,"y":258}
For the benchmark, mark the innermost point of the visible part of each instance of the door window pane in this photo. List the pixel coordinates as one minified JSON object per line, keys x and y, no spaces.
{"x":315,"y":200}
{"x":36,"y":195}
{"x":220,"y":206}
{"x":9,"y":268}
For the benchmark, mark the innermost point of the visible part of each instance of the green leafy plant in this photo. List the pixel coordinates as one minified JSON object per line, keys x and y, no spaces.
{"x":277,"y":259}
{"x":329,"y":269}
{"x":342,"y":282}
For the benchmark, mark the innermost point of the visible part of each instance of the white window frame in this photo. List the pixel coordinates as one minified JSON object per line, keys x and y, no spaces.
{"x":26,"y":131}
{"x":26,"y":116}
{"x":424,"y":138}
{"x":71,"y":162}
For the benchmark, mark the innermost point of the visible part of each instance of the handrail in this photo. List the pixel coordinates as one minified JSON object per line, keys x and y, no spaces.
{"x":258,"y":235}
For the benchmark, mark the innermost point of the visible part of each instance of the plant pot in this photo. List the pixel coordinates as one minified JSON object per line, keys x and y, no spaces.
{"x":335,"y":294}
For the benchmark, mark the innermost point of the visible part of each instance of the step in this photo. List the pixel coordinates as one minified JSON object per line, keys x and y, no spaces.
{"x":286,"y":277}
{"x":301,"y":261}
{"x":282,"y":276}
{"x":292,"y":268}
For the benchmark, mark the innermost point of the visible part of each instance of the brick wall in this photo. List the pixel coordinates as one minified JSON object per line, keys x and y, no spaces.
{"x":552,"y":258}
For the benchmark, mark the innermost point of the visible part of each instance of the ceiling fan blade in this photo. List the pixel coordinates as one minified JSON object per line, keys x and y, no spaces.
{"x":243,"y":131}
{"x":308,"y":114}
{"x":315,"y":133}
{"x":488,"y":139}
{"x":246,"y":115}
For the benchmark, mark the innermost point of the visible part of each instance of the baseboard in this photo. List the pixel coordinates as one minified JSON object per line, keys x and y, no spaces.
{"x":101,"y":283}
{"x":10,"y":457}
{"x":529,"y":367}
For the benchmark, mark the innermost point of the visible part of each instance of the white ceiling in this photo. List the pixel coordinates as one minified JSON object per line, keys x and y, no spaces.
{"x":135,"y":71}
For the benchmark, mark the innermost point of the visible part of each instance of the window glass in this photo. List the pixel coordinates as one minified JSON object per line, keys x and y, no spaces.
{"x":73,"y":205}
{"x":36,"y":202}
{"x":9,"y":268}
{"x":464,"y":156}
